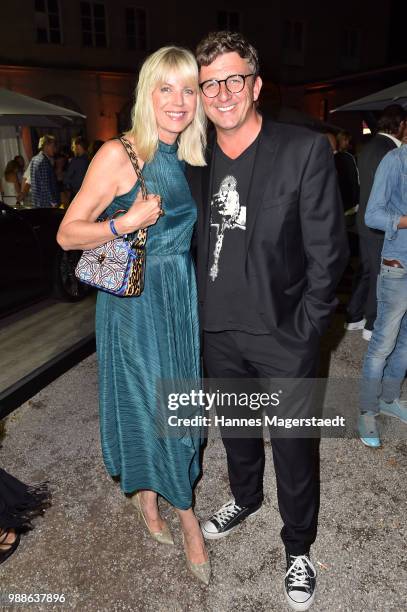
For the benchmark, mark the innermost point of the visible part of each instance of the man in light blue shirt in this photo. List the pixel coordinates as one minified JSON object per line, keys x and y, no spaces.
{"x":385,"y":363}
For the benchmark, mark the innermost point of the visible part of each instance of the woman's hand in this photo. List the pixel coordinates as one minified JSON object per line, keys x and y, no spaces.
{"x":109,"y":175}
{"x":140,"y":215}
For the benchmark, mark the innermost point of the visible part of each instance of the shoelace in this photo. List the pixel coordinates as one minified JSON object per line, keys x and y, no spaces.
{"x":298,"y":575}
{"x":225,"y":513}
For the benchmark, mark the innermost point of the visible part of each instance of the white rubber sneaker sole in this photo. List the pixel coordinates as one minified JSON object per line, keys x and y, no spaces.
{"x":367,"y":334}
{"x":299,"y":606}
{"x":356,"y":326}
{"x":217,"y":536}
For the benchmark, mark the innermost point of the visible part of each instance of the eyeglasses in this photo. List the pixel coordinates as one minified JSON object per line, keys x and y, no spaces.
{"x":234,"y":84}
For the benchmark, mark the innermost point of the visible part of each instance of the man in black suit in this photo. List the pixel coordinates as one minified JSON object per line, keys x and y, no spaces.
{"x":271,"y":249}
{"x":347,"y":170}
{"x":391,"y":126}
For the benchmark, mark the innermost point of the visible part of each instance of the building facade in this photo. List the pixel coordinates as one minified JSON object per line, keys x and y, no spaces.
{"x":85,"y":54}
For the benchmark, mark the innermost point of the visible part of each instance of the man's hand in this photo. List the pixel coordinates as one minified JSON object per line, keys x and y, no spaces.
{"x":403,"y":222}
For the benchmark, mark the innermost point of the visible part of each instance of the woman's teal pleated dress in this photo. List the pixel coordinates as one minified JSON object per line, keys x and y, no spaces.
{"x":142,"y":340}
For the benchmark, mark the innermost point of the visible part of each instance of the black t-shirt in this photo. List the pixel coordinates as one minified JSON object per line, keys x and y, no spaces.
{"x":229,"y":304}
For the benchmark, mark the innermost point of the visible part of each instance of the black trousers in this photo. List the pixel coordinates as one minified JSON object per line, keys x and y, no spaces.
{"x":373,"y":248}
{"x":241,"y":355}
{"x":356,"y":307}
{"x":363,"y":301}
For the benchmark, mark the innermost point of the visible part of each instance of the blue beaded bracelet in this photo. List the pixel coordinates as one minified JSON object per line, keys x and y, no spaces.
{"x":113,"y":228}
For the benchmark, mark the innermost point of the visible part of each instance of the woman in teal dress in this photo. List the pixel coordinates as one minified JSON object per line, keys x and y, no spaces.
{"x":146,"y":340}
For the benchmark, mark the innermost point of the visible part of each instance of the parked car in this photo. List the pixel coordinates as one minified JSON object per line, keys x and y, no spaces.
{"x":32,"y":264}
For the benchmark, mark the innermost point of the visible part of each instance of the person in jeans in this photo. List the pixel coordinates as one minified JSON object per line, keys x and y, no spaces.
{"x":362,"y":308}
{"x":385,"y":362}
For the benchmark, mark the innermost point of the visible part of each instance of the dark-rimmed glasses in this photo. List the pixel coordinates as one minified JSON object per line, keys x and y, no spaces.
{"x":234,"y":84}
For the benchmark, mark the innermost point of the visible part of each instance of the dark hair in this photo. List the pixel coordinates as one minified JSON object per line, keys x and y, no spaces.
{"x":343,"y":134}
{"x":95,"y":146}
{"x":11,"y":168}
{"x":80,"y":140}
{"x":391,"y":118}
{"x":217,"y":43}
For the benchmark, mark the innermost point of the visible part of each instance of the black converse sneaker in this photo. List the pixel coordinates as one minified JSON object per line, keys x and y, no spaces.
{"x":300,"y":582}
{"x":226,"y":520}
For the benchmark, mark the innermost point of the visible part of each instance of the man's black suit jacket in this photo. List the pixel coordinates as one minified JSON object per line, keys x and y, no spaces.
{"x":295,"y":235}
{"x":348,"y":179}
{"x":368,"y":161}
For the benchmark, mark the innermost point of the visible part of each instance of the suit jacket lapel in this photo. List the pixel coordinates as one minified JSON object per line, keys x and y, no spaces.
{"x":207,"y":173}
{"x":262,"y":172}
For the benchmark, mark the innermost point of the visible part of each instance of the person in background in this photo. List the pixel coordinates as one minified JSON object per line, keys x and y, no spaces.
{"x":361,"y":310}
{"x":348,"y":182}
{"x":11,"y":184}
{"x":94,"y":147}
{"x":60,"y":166}
{"x":26,"y":185}
{"x":19,"y":503}
{"x":43,"y":181}
{"x":348,"y":175}
{"x":385,"y":362}
{"x":19,"y":159}
{"x":332,"y":141}
{"x":77,"y":167}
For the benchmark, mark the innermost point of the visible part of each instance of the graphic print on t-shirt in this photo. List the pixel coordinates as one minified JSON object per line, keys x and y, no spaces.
{"x":226,"y":214}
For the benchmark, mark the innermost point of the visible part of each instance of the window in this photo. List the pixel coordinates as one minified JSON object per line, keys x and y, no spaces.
{"x":396,"y":38}
{"x":136,"y":28}
{"x":47,"y":21}
{"x":350,"y":48}
{"x":93,"y":22}
{"x":293,"y":42}
{"x":229,"y":20}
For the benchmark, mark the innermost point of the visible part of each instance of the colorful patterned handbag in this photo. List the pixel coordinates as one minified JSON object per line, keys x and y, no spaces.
{"x":118,"y":265}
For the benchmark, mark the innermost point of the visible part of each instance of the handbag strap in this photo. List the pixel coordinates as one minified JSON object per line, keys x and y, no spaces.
{"x":141,"y":237}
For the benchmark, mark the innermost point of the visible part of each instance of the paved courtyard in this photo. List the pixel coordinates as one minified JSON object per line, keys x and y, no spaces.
{"x":91,"y":547}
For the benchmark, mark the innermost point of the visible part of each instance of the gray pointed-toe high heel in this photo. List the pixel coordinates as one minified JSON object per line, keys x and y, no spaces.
{"x":164,"y":536}
{"x":202,"y":571}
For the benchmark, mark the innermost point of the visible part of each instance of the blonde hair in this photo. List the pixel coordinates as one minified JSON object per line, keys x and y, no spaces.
{"x":44,"y":140}
{"x":144,"y":129}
